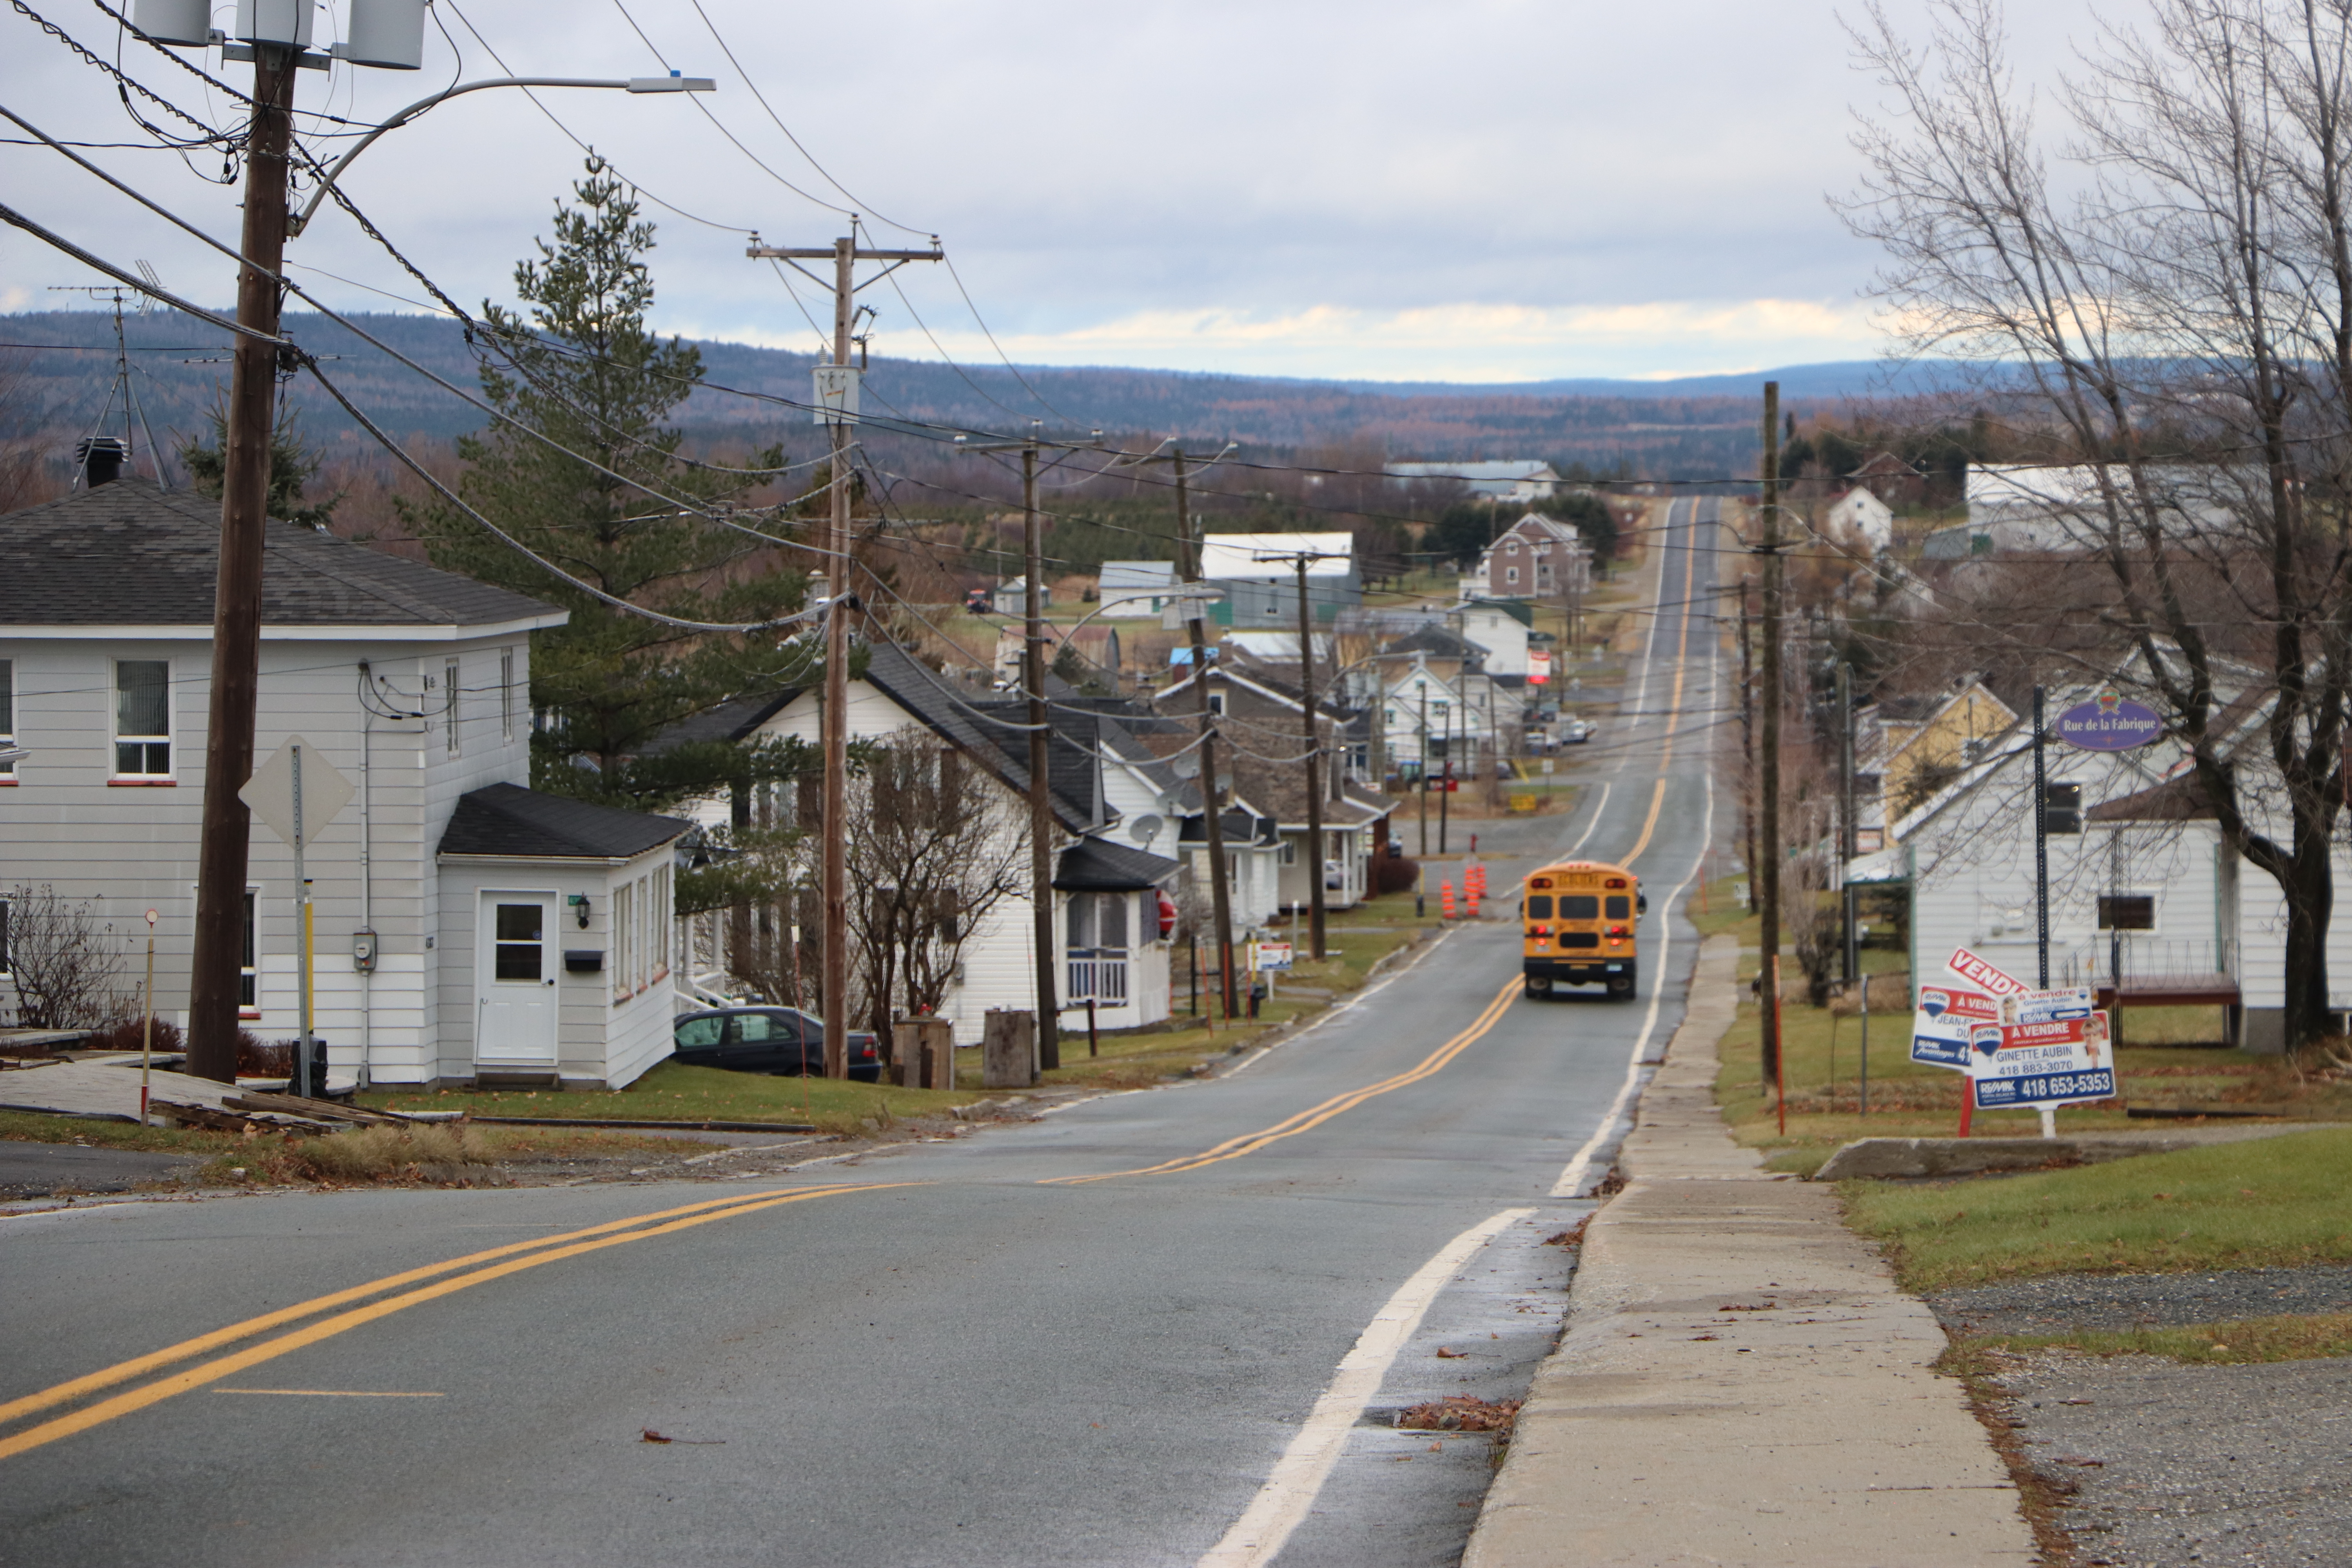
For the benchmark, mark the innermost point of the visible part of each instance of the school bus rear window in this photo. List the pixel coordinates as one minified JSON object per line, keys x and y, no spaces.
{"x":1579,"y":907}
{"x":1540,"y":906}
{"x":1619,"y":907}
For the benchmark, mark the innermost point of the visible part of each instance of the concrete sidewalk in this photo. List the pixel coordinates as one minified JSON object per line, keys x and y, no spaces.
{"x":1742,"y":1382}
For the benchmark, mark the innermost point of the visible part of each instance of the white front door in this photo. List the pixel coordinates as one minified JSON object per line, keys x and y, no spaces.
{"x":517,"y":962}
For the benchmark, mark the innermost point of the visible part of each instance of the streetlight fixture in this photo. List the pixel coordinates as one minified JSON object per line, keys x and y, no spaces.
{"x":674,"y":82}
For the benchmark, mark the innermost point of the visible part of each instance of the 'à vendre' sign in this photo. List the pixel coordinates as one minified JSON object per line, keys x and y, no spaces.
{"x":2108,"y":723}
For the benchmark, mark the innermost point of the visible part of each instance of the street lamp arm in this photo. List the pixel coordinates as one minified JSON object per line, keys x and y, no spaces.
{"x":624,"y":84}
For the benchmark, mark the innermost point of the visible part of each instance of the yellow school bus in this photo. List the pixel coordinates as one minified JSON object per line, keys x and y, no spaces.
{"x":1578,"y":922}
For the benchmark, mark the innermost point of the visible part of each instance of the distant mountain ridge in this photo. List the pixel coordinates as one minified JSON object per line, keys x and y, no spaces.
{"x":1690,"y":428}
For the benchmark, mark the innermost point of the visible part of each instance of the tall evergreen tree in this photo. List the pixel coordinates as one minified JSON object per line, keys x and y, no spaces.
{"x":579,"y":365}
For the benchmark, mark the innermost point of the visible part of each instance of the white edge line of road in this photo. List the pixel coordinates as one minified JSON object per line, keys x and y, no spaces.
{"x":1265,"y":1527}
{"x":1573,"y":1176}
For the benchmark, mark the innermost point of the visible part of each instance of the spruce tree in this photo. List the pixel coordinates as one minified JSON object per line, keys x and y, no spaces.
{"x":579,"y":365}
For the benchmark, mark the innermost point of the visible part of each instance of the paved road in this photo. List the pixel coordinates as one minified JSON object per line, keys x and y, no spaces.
{"x":1140,"y":1331}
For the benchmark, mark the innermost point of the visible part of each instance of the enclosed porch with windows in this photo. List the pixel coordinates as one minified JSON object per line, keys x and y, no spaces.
{"x":1115,"y":917}
{"x":556,"y":938}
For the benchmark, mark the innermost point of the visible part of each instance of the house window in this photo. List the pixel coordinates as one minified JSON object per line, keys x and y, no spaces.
{"x":1289,"y":853}
{"x":1098,"y":921}
{"x":3,"y":936}
{"x":623,"y":934}
{"x":1511,"y":575}
{"x":143,"y":718}
{"x":505,"y":694}
{"x":659,"y":913}
{"x":450,"y":707}
{"x":8,"y":723}
{"x":2126,"y":912}
{"x":1217,"y":702}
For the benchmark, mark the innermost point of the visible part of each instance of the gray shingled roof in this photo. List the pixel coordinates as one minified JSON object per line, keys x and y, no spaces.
{"x":999,"y":747}
{"x":509,"y":820}
{"x":128,"y":553}
{"x":1092,"y":866}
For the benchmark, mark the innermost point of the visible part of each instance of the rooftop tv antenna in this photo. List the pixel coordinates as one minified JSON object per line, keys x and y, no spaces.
{"x":122,"y":385}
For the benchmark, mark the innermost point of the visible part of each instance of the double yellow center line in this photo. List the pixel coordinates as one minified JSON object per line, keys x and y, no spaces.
{"x":462,"y":1273}
{"x":1315,"y":1116}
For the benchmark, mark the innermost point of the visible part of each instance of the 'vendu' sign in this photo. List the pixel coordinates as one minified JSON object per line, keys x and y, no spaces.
{"x":1983,"y":973}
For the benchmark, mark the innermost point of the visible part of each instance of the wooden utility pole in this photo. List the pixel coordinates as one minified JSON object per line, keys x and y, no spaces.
{"x":1188,"y":552}
{"x":1768,"y":874}
{"x":1314,"y":738}
{"x":836,"y":408}
{"x":221,"y":864}
{"x":1041,"y":798}
{"x":1423,"y":779}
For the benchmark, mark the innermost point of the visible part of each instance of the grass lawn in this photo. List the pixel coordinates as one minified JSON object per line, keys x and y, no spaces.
{"x":1823,"y":1051}
{"x":2272,"y":1202}
{"x":1359,"y":937}
{"x":2234,"y":1343}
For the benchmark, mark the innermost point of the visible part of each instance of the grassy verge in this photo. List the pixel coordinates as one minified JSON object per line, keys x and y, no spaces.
{"x":1822,"y":1051}
{"x":1359,"y":937}
{"x":424,"y":1153}
{"x":365,"y":1155}
{"x":27,"y":1126}
{"x":2275,"y":1202}
{"x":2241,"y":1342}
{"x":674,"y":1092}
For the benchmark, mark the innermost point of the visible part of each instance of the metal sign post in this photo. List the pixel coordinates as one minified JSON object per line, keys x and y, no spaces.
{"x":275,"y":793}
{"x":2041,"y":846}
{"x":147,"y":1032}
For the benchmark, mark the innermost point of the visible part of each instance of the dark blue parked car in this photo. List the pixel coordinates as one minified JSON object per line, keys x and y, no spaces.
{"x":767,"y":1039}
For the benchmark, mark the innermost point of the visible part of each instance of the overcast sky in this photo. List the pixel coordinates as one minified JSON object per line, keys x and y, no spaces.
{"x":1478,"y":190}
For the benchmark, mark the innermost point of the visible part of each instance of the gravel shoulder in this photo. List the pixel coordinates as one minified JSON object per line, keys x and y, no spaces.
{"x":2149,"y":1462}
{"x":2058,"y":1303}
{"x":2154,"y":1465}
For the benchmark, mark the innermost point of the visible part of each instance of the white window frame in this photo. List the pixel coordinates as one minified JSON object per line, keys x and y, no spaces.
{"x":505,"y":694}
{"x":7,"y":739}
{"x":114,"y":726}
{"x":449,"y":709}
{"x":623,"y":919}
{"x":663,"y":914}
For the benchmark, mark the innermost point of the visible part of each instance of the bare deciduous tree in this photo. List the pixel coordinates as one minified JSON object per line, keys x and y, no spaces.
{"x":63,"y":961}
{"x":935,"y":845}
{"x":2167,"y":315}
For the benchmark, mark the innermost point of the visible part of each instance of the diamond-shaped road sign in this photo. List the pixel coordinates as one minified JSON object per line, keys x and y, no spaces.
{"x":271,"y":791}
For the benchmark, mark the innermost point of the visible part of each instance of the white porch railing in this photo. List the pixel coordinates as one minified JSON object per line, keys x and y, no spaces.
{"x":1098,"y":974}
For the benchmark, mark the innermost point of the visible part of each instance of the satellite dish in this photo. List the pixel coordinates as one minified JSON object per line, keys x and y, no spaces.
{"x":1144,"y":828}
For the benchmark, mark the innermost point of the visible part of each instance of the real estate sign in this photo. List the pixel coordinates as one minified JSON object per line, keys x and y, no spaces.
{"x":2049,"y":1048}
{"x":1945,"y":1023}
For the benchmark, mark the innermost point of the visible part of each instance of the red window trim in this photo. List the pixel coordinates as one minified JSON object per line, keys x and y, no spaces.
{"x":133,"y":782}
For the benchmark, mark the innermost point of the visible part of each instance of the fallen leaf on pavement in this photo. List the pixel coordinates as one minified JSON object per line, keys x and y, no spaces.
{"x":1450,"y":1355}
{"x":653,"y":1436}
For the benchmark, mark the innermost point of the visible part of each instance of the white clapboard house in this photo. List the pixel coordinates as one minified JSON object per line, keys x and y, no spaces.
{"x":515,"y":935}
{"x":1115,"y":825}
{"x":2147,"y":893}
